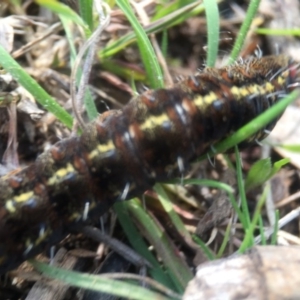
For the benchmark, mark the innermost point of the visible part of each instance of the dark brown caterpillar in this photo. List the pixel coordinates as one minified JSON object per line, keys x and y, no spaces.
{"x":122,"y":154}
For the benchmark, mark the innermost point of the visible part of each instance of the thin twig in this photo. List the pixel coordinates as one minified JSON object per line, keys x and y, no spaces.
{"x":77,"y":100}
{"x":54,"y":28}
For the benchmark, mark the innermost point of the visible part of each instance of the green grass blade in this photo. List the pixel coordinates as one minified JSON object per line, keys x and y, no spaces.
{"x":86,"y":12}
{"x":175,"y":265}
{"x":164,"y":43}
{"x":168,"y":8}
{"x":213,"y":30}
{"x":249,"y":236}
{"x":66,"y":11}
{"x":123,"y":70}
{"x":146,"y":50}
{"x":98,"y":283}
{"x":258,"y":173}
{"x":262,"y":231}
{"x":138,"y":243}
{"x":250,"y":15}
{"x":281,"y":32}
{"x":292,"y":148}
{"x":41,"y":96}
{"x":276,"y":228}
{"x":209,"y":254}
{"x":255,"y":125}
{"x":168,"y":207}
{"x":225,"y":240}
{"x":66,"y":23}
{"x":175,"y":18}
{"x":263,"y":170}
{"x":241,"y":188}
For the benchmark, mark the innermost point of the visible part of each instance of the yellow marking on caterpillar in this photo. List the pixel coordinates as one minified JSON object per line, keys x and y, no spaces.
{"x":61,"y":174}
{"x":239,"y":93}
{"x":10,"y":204}
{"x":244,"y":92}
{"x":154,"y":121}
{"x":23,"y":197}
{"x":281,"y":79}
{"x":101,"y":149}
{"x":269,"y":87}
{"x":254,"y":89}
{"x":204,"y":101}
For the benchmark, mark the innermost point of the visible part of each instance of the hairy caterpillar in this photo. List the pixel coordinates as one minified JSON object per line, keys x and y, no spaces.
{"x":123,"y":153}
